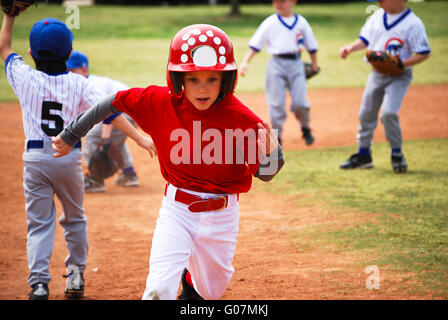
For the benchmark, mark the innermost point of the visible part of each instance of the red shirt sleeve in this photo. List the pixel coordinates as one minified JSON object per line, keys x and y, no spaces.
{"x":141,"y":104}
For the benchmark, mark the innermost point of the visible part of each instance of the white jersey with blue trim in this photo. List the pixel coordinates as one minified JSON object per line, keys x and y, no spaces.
{"x":49,"y":102}
{"x":106,"y":85}
{"x":284,"y":35}
{"x":399,"y":35}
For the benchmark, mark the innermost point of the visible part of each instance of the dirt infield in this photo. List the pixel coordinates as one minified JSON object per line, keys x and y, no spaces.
{"x":268,"y":264}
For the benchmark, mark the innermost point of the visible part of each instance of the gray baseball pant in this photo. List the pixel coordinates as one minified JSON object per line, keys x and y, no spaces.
{"x":43,"y":177}
{"x":282,"y":75}
{"x":387,"y":93}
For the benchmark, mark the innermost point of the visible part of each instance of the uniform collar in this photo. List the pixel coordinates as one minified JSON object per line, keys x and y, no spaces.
{"x":290,"y":27}
{"x":404,"y":15}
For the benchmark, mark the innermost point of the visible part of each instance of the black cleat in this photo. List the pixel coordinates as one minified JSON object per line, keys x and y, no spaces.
{"x":399,"y":163}
{"x":358,"y":160}
{"x":92,"y":185}
{"x":188,"y":292}
{"x":39,"y":291}
{"x":307,"y":136}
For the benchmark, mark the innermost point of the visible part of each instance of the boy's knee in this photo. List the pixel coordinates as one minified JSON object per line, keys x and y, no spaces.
{"x":389,"y":116}
{"x":299,"y":108}
{"x":367,"y":116}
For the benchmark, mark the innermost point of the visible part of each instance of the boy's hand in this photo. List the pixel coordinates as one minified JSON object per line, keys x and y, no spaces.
{"x":13,"y":8}
{"x":243,"y":69}
{"x":267,"y":139}
{"x":148,"y":144}
{"x":60,"y":147}
{"x":344,"y":52}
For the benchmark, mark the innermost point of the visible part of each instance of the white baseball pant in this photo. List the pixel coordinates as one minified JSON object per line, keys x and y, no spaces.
{"x":202,"y":242}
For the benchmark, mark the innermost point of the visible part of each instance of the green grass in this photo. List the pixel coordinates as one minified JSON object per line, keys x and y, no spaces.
{"x":411,"y":229}
{"x":131,"y":43}
{"x":329,"y":21}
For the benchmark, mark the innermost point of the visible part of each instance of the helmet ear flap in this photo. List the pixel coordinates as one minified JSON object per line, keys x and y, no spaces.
{"x":177,"y":81}
{"x":229,"y":81}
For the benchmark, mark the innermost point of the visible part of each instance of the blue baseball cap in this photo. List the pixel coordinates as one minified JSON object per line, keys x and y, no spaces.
{"x":77,"y":60}
{"x":50,"y":35}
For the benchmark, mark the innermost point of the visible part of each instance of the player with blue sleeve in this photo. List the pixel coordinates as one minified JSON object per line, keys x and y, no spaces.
{"x":286,"y":36}
{"x":50,"y":98}
{"x":396,"y":30}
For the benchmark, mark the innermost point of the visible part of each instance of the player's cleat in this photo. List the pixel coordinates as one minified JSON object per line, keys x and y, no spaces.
{"x":307,"y":136}
{"x":188,"y":292}
{"x":92,"y":185}
{"x":74,"y":286}
{"x":358,"y":160}
{"x":127,"y":180}
{"x":399,"y":163}
{"x":39,"y":291}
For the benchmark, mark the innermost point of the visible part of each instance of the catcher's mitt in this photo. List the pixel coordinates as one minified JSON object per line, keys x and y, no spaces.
{"x":13,"y":8}
{"x":309,"y":72}
{"x":385,"y":63}
{"x":105,"y":161}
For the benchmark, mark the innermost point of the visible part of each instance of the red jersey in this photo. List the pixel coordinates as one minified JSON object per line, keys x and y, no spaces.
{"x":213,"y":150}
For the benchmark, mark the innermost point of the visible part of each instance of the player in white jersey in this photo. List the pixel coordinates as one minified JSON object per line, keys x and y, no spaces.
{"x":50,"y":98}
{"x":394,"y":29}
{"x":286,"y":35}
{"x":103,"y":132}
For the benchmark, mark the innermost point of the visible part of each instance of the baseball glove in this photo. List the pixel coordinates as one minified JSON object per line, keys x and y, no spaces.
{"x":13,"y":8}
{"x":309,"y":72}
{"x":105,"y":161}
{"x":384,"y":63}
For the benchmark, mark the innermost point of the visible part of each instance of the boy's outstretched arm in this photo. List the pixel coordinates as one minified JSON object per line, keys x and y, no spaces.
{"x":79,"y":127}
{"x":6,"y":37}
{"x":245,"y":64}
{"x":128,"y":129}
{"x":354,"y":46}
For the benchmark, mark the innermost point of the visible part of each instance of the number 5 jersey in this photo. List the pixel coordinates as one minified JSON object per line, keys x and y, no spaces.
{"x":49,"y":101}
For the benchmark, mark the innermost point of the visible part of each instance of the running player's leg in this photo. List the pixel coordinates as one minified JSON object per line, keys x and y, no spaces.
{"x":275,"y":95}
{"x":41,"y":217}
{"x":395,"y":93}
{"x":370,"y":106}
{"x":210,"y":265}
{"x":300,"y":105}
{"x":69,"y":187}
{"x":171,"y":248}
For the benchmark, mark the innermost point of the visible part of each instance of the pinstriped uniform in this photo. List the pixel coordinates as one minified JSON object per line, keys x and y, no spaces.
{"x":32,"y":87}
{"x":49,"y":103}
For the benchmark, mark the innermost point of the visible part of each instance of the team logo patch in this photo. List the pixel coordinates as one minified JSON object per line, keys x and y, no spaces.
{"x":393,"y":46}
{"x":300,"y":39}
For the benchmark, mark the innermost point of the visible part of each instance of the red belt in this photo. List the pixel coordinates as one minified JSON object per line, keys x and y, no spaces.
{"x":197,"y":204}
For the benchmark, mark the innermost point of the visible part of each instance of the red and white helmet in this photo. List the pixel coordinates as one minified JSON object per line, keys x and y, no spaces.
{"x":201,"y":47}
